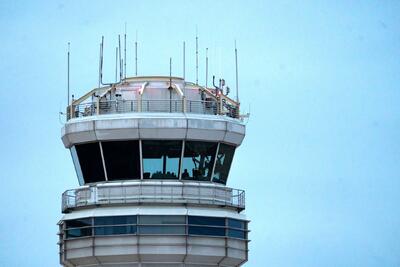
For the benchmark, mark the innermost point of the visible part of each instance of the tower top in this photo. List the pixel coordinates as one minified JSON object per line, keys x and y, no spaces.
{"x":157,"y":94}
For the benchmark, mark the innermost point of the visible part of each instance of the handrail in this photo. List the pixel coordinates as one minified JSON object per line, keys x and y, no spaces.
{"x":143,"y":192}
{"x":181,"y":105}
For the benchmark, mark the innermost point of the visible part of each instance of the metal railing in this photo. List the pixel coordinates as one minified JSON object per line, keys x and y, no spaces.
{"x":152,"y":105}
{"x":150,"y":193}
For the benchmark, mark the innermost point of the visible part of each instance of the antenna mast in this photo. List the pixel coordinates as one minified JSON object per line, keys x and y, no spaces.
{"x":125,"y":52}
{"x":120,"y":59}
{"x":68,"y":75}
{"x":99,"y":68}
{"x":101,"y":59}
{"x":116,"y":63}
{"x":206,"y":67}
{"x":184,"y":52}
{"x":237,"y":81}
{"x":101,"y":62}
{"x":170,"y":72}
{"x":197,"y":58}
{"x":136,"y":55}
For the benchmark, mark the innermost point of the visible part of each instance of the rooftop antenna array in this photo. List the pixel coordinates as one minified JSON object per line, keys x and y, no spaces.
{"x":197,"y":58}
{"x":237,"y":79}
{"x":68,"y":55}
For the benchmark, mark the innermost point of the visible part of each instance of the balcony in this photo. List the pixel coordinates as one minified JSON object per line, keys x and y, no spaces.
{"x":158,"y":193}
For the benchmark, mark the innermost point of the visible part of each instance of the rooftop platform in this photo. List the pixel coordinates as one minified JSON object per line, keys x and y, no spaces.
{"x":153,"y":94}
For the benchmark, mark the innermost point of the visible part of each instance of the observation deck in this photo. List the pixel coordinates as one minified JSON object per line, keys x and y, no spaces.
{"x":153,"y":192}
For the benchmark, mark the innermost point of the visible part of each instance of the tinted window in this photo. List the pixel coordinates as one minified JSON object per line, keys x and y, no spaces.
{"x":115,"y":220}
{"x":198,"y":160}
{"x":90,"y":161}
{"x":236,"y":223}
{"x":236,"y":233}
{"x":122,"y":160}
{"x":152,"y":230}
{"x":223,"y":163}
{"x":201,"y":230}
{"x":71,"y":233}
{"x":161,"y":159}
{"x":115,"y":230}
{"x":79,"y":223}
{"x":214,"y":221}
{"x":162,"y":219}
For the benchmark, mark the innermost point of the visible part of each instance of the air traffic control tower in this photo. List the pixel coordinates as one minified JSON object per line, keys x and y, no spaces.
{"x":152,"y":157}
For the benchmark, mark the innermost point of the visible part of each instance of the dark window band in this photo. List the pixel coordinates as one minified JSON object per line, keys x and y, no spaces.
{"x":156,"y":225}
{"x":161,"y":159}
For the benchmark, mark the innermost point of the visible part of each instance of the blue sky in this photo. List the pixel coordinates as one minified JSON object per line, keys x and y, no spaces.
{"x":320,"y":162}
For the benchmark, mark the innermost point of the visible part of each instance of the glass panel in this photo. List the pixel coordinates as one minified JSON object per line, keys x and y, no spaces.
{"x":214,"y":221}
{"x":151,"y":219}
{"x":223,"y":163}
{"x":115,"y":230}
{"x":79,"y":223}
{"x":122,"y":160}
{"x":198,"y":160}
{"x":115,"y":220}
{"x":162,"y":230}
{"x":91,"y":163}
{"x":236,"y":233}
{"x":201,"y":230}
{"x":79,"y":232}
{"x":161,"y":159}
{"x":236,"y":223}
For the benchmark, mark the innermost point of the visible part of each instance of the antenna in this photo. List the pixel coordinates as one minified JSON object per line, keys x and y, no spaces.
{"x":120,"y":60}
{"x":184,"y":60}
{"x":101,"y":62}
{"x":99,"y":67}
{"x":237,"y":81}
{"x":170,"y":84}
{"x":206,"y":67}
{"x":116,"y":63}
{"x":197,"y":58}
{"x":68,"y":74}
{"x":101,"y":59}
{"x":136,"y":55}
{"x":170,"y":73}
{"x":125,"y":52}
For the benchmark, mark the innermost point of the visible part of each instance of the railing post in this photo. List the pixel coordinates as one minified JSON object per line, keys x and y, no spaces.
{"x":184,"y":104}
{"x":98,"y":106}
{"x":71,"y":110}
{"x":140,"y":103}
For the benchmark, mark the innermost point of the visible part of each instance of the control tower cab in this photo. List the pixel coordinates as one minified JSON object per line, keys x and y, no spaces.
{"x":152,"y":156}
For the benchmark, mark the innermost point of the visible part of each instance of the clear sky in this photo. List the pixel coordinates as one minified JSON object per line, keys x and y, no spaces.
{"x":321,"y":160}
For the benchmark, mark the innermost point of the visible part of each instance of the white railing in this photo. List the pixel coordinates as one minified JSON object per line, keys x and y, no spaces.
{"x":148,"y":192}
{"x":153,"y":105}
